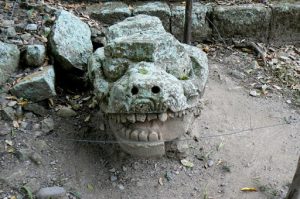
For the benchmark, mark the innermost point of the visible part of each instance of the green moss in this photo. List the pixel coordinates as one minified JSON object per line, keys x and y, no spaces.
{"x":143,"y":71}
{"x":184,"y":77}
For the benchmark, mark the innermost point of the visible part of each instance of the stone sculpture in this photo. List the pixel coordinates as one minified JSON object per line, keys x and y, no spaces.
{"x":148,"y":84}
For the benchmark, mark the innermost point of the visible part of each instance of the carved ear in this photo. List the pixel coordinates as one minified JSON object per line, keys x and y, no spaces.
{"x":190,"y":90}
{"x":200,"y":65}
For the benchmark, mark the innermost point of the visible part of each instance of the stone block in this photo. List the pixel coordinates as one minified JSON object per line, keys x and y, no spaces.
{"x":109,"y":12}
{"x":250,"y":21}
{"x":36,"y":86}
{"x":200,"y":25}
{"x":285,"y":25}
{"x":156,"y":8}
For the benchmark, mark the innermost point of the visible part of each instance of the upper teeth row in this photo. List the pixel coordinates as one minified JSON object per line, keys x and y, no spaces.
{"x":142,"y":117}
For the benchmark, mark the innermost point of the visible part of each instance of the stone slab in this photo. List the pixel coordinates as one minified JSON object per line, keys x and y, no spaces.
{"x":200,"y":26}
{"x":285,"y":25}
{"x":109,"y":12}
{"x":156,"y":8}
{"x":250,"y":21}
{"x":36,"y":86}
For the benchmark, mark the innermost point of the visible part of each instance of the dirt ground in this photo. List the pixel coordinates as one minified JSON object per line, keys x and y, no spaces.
{"x":263,"y":158}
{"x":238,"y":141}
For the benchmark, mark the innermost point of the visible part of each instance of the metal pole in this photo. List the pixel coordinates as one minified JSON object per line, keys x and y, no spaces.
{"x":188,"y":22}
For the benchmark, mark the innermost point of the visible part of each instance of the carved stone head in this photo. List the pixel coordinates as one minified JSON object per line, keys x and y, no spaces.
{"x":147,"y":83}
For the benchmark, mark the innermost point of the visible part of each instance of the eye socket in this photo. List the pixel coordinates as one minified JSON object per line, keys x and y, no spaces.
{"x":134,"y":90}
{"x":155,"y":89}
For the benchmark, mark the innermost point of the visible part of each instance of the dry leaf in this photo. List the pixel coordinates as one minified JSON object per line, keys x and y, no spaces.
{"x":87,"y":118}
{"x":187,"y":163}
{"x":249,"y":189}
{"x":16,"y":124}
{"x":160,"y":181}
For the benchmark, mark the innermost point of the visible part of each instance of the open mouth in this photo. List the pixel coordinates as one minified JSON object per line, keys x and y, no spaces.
{"x":150,"y":127}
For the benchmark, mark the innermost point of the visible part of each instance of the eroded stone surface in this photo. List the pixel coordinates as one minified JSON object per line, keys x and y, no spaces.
{"x":109,"y":12}
{"x":200,"y":26}
{"x":35,"y":55}
{"x":285,"y":27}
{"x":147,"y":83}
{"x":36,"y":86}
{"x":250,"y":21}
{"x":9,"y":60}
{"x":70,"y":41}
{"x":156,"y":8}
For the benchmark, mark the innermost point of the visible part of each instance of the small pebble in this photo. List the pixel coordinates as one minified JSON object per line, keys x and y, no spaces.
{"x":113,"y":178}
{"x":51,"y":192}
{"x":31,"y":27}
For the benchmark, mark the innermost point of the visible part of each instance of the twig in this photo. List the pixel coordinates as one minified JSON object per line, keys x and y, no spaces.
{"x":261,"y":52}
{"x":13,"y":8}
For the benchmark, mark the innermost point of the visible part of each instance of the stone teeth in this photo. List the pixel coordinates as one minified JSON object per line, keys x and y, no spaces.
{"x":171,"y":115}
{"x":102,"y":127}
{"x":180,"y":114}
{"x":141,"y":117}
{"x":163,"y":117}
{"x":134,"y":135}
{"x":151,"y":116}
{"x":127,"y":133}
{"x":153,"y":136}
{"x":123,"y":119}
{"x":143,"y":136}
{"x":123,"y":132}
{"x":131,"y":118}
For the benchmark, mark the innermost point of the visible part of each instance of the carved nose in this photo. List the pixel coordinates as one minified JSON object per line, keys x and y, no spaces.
{"x":154,"y":90}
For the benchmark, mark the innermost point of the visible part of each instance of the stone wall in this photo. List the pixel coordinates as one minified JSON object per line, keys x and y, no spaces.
{"x":257,"y":22}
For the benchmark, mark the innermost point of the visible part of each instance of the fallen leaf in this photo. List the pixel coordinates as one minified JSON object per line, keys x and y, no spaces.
{"x":160,"y":181}
{"x":249,"y":189}
{"x":90,"y":187}
{"x":187,"y":163}
{"x":87,"y":118}
{"x":16,"y":124}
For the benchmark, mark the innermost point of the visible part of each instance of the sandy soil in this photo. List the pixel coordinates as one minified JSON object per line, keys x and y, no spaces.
{"x":263,"y":158}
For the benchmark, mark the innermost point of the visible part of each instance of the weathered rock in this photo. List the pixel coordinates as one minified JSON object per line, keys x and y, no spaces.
{"x":66,"y":112}
{"x":35,"y":55}
{"x":47,"y":125}
{"x":285,"y":26}
{"x":36,"y":109}
{"x":132,"y":25}
{"x":7,"y":113}
{"x":4,"y":129}
{"x":36,"y":86}
{"x":156,"y":8}
{"x":9,"y":60}
{"x":31,"y":27}
{"x":10,"y":32}
{"x":200,"y":26}
{"x":51,"y":193}
{"x":109,"y":12}
{"x":249,"y":21}
{"x":70,"y":47}
{"x":33,"y":184}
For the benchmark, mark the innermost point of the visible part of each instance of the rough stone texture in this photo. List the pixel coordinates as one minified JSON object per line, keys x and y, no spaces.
{"x":36,"y":86}
{"x":285,"y":26}
{"x":9,"y":60}
{"x":147,"y":84}
{"x":70,"y":41}
{"x":35,"y":55}
{"x":7,"y":113}
{"x":51,"y":192}
{"x":249,"y":21}
{"x":109,"y":12}
{"x":156,"y":8}
{"x":131,"y":25}
{"x":200,"y":26}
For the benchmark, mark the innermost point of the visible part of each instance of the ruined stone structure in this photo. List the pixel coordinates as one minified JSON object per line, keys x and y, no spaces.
{"x":147,"y":83}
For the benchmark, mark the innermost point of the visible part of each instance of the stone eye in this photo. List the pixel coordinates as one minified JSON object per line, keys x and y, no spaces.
{"x":134,"y":90}
{"x":155,"y":89}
